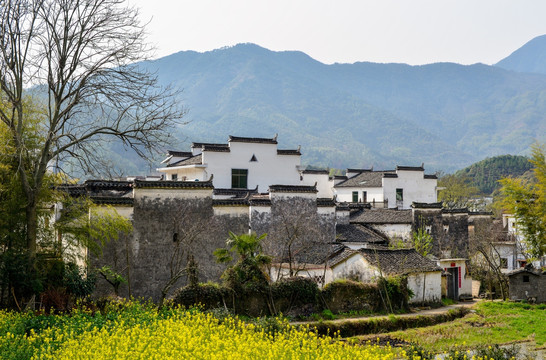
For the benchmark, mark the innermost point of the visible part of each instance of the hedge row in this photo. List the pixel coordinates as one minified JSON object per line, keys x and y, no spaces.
{"x":300,"y":297}
{"x":380,"y":325}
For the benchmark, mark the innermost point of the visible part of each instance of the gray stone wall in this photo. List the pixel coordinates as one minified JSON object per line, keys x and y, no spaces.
{"x":533,"y":289}
{"x":169,"y":226}
{"x":448,"y":229}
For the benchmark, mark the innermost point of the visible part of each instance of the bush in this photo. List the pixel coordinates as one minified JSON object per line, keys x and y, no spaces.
{"x":209,"y":295}
{"x":296,"y":295}
{"x":347,"y":295}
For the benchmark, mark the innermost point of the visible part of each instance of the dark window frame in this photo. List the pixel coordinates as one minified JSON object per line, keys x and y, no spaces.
{"x":239,"y":178}
{"x":355,"y":196}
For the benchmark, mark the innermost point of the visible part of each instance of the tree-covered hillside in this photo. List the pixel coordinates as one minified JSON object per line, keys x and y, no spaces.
{"x":485,"y":174}
{"x":355,"y":115}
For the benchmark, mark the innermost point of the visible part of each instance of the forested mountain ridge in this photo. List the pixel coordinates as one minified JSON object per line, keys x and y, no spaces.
{"x":486,"y":173}
{"x":357,"y":115}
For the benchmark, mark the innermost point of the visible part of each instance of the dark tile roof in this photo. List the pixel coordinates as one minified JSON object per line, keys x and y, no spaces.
{"x":318,"y":253}
{"x":316,"y":171}
{"x":410,"y":168}
{"x":420,"y":205}
{"x":194,"y":160}
{"x":455,"y":211}
{"x":293,"y":188}
{"x":288,"y":152}
{"x":358,"y":170}
{"x":109,"y":184}
{"x":390,"y":175}
{"x":364,"y":179}
{"x":399,"y":261}
{"x":230,"y":202}
{"x":326,"y":202}
{"x":358,"y":233}
{"x":108,"y":200}
{"x":340,"y":177}
{"x":536,"y":272}
{"x":102,"y":191}
{"x":342,"y":207}
{"x":201,"y":144}
{"x":184,"y":154}
{"x":252,"y":139}
{"x":215,"y":148}
{"x":259,"y":201}
{"x":166,"y":184}
{"x":237,"y":193}
{"x":72,"y":189}
{"x":478,"y":213}
{"x":382,"y":216}
{"x":431,"y":176}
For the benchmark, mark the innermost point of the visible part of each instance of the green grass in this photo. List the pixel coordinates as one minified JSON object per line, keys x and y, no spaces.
{"x":492,"y":323}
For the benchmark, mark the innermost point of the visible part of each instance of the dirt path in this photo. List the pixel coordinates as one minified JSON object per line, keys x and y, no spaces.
{"x":415,"y":312}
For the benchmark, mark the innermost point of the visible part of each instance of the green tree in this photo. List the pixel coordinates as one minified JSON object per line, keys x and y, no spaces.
{"x":527,"y":201}
{"x":248,"y":272}
{"x":456,"y":191}
{"x":422,"y":241}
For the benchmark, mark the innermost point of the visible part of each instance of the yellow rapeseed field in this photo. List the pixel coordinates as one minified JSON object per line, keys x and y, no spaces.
{"x":201,"y":336}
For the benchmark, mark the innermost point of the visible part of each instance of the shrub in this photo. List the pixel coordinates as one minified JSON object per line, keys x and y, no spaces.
{"x":295,"y":294}
{"x":209,"y":295}
{"x":348,"y":295}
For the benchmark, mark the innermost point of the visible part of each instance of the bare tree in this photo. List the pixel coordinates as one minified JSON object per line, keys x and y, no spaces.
{"x":484,"y":247}
{"x":79,"y":57}
{"x":295,"y":235}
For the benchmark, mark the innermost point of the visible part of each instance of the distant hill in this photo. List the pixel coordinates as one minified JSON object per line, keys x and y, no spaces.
{"x":530,"y":58}
{"x":357,"y":115}
{"x":485,"y":174}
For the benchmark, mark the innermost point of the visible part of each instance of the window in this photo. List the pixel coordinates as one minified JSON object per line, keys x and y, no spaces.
{"x":399,"y":194}
{"x":364,"y":196}
{"x":504,"y":263}
{"x":355,"y":196}
{"x":525,"y":278}
{"x":174,"y":177}
{"x":239,"y":178}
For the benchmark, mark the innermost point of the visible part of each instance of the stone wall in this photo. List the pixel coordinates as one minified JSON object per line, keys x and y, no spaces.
{"x":448,"y":228}
{"x":171,"y":224}
{"x":528,"y":285}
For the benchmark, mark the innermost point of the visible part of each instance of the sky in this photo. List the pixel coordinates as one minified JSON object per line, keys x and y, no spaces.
{"x":404,"y":31}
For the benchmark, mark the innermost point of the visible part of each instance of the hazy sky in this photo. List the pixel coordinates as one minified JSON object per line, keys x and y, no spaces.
{"x":408,"y":31}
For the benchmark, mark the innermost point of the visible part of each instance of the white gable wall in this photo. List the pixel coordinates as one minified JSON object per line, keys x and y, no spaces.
{"x":269,"y":169}
{"x":415,"y":188}
{"x":325,"y":186}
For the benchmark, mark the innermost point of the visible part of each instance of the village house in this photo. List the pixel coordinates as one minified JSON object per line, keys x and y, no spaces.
{"x":249,"y":184}
{"x":397,"y":188}
{"x":527,"y":284}
{"x":337,"y":261}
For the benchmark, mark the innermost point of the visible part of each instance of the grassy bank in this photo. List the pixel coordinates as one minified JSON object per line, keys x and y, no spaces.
{"x":491,"y":323}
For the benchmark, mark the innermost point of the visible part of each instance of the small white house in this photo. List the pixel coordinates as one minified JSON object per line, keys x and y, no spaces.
{"x":367,"y":265}
{"x":397,"y":188}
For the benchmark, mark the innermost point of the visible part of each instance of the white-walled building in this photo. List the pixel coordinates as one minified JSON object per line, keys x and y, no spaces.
{"x":367,"y":265}
{"x":517,"y":258}
{"x":391,"y":188}
{"x":242,"y":163}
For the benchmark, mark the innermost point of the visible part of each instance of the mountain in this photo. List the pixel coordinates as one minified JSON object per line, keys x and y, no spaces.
{"x":530,"y":58}
{"x":356,"y":115}
{"x":486,"y":173}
